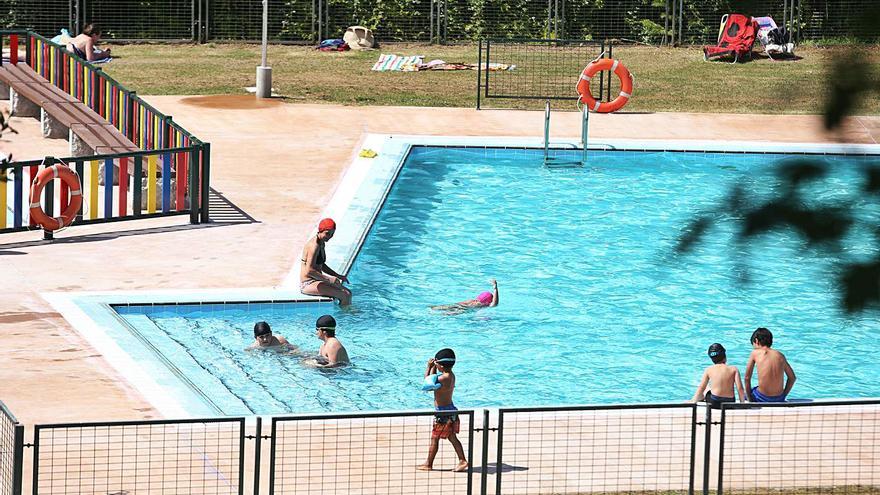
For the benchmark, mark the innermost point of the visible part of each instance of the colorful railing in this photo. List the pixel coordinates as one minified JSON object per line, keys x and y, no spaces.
{"x":169,"y":151}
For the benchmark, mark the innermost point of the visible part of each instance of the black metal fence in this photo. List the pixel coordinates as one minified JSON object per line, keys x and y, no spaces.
{"x":203,"y":456}
{"x":368,"y":453}
{"x":785,"y":449}
{"x":446,"y":21}
{"x":825,"y":447}
{"x":597,"y":449}
{"x":537,"y":69}
{"x":11,"y":455}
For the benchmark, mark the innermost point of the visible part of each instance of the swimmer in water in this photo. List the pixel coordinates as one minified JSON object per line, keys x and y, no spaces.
{"x":332,"y":353}
{"x":483,"y":300}
{"x":263,"y":338}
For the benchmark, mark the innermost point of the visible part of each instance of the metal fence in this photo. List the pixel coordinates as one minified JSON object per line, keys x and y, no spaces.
{"x":367,"y":453}
{"x":826,"y":447}
{"x":202,"y":456}
{"x":787,"y":449}
{"x":597,"y":449}
{"x":446,"y":21}
{"x":11,"y":455}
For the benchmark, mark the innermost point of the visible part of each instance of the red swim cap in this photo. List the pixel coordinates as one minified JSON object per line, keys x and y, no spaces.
{"x":326,"y":224}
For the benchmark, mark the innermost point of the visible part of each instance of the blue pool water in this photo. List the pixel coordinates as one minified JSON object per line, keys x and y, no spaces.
{"x":595,"y":307}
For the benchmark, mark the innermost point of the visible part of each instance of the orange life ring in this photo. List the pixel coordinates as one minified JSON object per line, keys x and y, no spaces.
{"x":626,"y":85}
{"x":70,"y":178}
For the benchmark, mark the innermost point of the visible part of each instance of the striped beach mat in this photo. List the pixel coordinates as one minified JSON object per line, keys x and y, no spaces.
{"x":391,"y":62}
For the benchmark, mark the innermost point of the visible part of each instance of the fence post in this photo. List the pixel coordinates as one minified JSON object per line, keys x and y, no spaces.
{"x":35,"y":465}
{"x":498,"y":463}
{"x":707,"y":449}
{"x":18,"y":457}
{"x":484,"y":473}
{"x":194,"y":185}
{"x":718,"y":490}
{"x":206,"y":181}
{"x":258,"y":445}
{"x":129,"y":116}
{"x":49,"y":193}
{"x":479,"y":69}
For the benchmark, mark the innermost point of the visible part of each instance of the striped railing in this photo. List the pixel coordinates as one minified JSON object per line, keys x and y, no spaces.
{"x":175,"y":163}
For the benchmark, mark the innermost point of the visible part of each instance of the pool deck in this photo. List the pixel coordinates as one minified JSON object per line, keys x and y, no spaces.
{"x":279,"y":164}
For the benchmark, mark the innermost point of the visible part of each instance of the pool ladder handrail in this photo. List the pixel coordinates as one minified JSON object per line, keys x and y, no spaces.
{"x":585,"y":124}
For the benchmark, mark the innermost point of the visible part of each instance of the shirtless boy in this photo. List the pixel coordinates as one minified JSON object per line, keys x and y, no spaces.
{"x":772,"y":365}
{"x":315,"y":277}
{"x":446,"y":425}
{"x":263,"y":337}
{"x":332,"y":353}
{"x":720,"y":378}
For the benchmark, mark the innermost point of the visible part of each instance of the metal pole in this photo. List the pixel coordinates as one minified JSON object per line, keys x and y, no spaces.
{"x":585,"y":125}
{"x":546,"y":131}
{"x":707,"y":449}
{"x":431,"y":23}
{"x":665,"y":40}
{"x":18,"y":461}
{"x":484,"y":473}
{"x":206,"y":183}
{"x":479,"y":69}
{"x":264,"y":72}
{"x":680,"y":17}
{"x":258,"y":446}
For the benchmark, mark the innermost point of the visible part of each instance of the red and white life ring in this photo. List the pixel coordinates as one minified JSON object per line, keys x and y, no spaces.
{"x":69,"y":178}
{"x":626,"y":85}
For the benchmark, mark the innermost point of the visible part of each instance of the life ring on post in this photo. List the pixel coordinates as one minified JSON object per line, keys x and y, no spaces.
{"x":70,"y":179}
{"x":626,"y":85}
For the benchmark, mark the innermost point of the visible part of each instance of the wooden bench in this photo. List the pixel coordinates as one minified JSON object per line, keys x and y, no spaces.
{"x":61,"y":114}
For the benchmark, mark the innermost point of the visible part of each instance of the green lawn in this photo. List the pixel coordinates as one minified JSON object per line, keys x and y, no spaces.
{"x":667,"y":79}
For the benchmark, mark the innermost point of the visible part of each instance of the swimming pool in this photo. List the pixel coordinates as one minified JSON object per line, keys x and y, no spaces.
{"x":594,"y":307}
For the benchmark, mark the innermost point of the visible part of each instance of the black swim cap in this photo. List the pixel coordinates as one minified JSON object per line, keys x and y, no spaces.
{"x":261,"y":328}
{"x":445,"y":356}
{"x":325,"y":321}
{"x":716,"y":352}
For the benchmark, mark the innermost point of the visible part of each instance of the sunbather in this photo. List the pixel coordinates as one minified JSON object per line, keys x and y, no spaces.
{"x":84,"y":45}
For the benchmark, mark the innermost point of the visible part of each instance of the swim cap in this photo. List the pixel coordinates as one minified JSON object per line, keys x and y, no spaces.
{"x":485,"y":298}
{"x":445,"y":356}
{"x":716,"y":349}
{"x":326,"y":224}
{"x":325,"y":321}
{"x":261,"y":328}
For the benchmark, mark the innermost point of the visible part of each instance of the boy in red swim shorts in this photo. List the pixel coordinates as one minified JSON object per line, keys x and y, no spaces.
{"x":446,"y":423}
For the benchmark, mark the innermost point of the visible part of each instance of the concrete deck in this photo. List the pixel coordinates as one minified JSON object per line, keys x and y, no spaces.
{"x":255,"y":147}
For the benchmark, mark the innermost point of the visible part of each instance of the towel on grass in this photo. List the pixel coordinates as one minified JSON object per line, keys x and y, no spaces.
{"x":391,"y":62}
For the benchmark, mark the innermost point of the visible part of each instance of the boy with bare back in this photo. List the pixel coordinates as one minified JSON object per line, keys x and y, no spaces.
{"x":720,"y":378}
{"x":440,"y":378}
{"x":772,"y":365}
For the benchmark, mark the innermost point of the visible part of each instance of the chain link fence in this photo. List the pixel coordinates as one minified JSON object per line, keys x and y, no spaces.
{"x":445,"y":21}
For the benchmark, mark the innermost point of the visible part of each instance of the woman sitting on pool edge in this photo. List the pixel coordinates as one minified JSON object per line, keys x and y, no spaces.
{"x":315,"y":277}
{"x":483,"y":300}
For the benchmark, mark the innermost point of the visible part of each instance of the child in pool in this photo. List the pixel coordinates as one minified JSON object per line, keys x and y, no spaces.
{"x":483,"y":300}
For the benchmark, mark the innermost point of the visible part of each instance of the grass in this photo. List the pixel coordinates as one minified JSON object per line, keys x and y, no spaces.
{"x":667,"y":79}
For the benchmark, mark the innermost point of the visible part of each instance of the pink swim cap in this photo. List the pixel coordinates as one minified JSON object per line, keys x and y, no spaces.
{"x":485,"y":298}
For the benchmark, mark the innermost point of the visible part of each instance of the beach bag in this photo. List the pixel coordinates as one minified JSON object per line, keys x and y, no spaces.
{"x":359,"y":38}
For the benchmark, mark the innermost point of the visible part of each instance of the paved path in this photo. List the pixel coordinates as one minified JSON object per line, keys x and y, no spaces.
{"x":279,"y":163}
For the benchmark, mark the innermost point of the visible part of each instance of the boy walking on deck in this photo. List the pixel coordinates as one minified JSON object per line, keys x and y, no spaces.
{"x":720,"y":378}
{"x":440,"y":378}
{"x":772,"y":365}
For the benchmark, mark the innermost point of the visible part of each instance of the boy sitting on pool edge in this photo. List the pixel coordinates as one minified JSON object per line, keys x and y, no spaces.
{"x":773,"y":368}
{"x":720,"y":378}
{"x":446,"y":423}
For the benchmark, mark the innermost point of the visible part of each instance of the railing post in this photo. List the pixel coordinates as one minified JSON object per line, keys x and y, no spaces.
{"x":470,"y":456}
{"x":49,"y":194}
{"x":693,"y":449}
{"x":194,"y":161}
{"x":719,"y":490}
{"x":479,"y":69}
{"x":484,"y":473}
{"x":498,"y":454}
{"x":206,"y":181}
{"x":258,"y":446}
{"x":129,"y":116}
{"x":18,"y":461}
{"x":707,"y":449}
